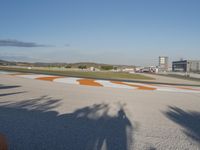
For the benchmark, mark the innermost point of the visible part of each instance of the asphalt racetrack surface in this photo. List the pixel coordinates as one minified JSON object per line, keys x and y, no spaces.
{"x":81,"y":114}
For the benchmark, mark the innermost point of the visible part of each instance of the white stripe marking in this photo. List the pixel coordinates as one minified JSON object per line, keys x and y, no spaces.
{"x":34,"y":76}
{"x":69,"y":80}
{"x":113,"y":85}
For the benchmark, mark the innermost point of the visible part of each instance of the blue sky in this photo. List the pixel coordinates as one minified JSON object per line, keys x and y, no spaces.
{"x":108,"y":31}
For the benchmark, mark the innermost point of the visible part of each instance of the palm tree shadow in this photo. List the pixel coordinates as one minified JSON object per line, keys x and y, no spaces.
{"x":2,"y":87}
{"x":11,"y":93}
{"x":32,"y":124}
{"x":7,"y":87}
{"x":190,"y":121}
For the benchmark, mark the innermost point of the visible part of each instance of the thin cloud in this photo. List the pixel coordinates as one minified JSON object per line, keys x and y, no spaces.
{"x":16,"y":43}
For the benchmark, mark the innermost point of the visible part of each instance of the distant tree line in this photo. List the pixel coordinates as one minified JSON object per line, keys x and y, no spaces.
{"x":104,"y":67}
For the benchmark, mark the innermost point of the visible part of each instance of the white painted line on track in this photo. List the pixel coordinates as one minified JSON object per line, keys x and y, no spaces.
{"x":176,"y":90}
{"x":7,"y":73}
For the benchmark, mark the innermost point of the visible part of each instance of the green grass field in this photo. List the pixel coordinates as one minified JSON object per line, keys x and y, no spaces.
{"x":83,"y":74}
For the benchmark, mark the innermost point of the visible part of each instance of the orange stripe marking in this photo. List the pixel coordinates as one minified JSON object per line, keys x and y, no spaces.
{"x":140,"y":87}
{"x":88,"y":82}
{"x":187,"y":88}
{"x":48,"y":78}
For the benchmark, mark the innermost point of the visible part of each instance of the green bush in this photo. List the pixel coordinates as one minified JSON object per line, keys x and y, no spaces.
{"x":115,"y":68}
{"x":106,"y":67}
{"x":82,"y":67}
{"x":68,"y":66}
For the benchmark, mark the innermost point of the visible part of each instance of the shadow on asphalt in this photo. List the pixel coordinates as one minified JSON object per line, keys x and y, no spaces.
{"x":190,"y":121}
{"x":32,"y":125}
{"x":8,"y":86}
{"x":12,"y":93}
{"x":5,"y":87}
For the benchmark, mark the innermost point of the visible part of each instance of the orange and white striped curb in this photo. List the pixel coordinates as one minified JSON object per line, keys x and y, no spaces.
{"x":107,"y":83}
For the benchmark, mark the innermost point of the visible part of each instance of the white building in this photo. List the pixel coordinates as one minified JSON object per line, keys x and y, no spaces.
{"x":163,"y":63}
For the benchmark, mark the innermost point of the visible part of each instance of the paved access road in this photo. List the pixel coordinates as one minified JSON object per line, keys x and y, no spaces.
{"x":38,"y":114}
